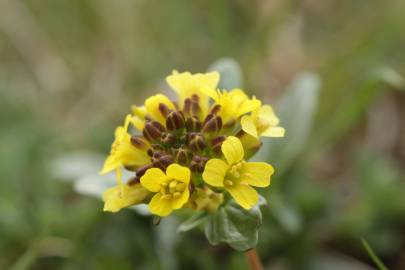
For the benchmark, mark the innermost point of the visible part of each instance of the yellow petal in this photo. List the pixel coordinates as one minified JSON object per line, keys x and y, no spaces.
{"x":244,"y":195}
{"x":273,"y":132}
{"x":248,"y":106}
{"x":138,"y":122}
{"x":159,"y":206}
{"x":119,"y":197}
{"x":214,"y":172}
{"x":186,"y":84}
{"x":248,"y":125}
{"x":179,"y":202}
{"x":109,"y":164}
{"x":152,"y":179}
{"x":266,"y":113}
{"x":233,"y":150}
{"x":152,"y":106}
{"x":256,"y":174}
{"x":175,"y":171}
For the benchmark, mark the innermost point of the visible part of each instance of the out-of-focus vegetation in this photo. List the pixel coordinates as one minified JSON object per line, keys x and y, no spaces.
{"x":70,"y":69}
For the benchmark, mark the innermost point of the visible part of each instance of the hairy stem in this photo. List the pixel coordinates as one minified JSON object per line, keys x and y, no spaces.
{"x":253,"y":259}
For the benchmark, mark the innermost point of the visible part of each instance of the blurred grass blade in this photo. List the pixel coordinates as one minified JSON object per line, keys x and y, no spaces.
{"x":26,"y":260}
{"x":230,"y":71}
{"x":380,"y":265}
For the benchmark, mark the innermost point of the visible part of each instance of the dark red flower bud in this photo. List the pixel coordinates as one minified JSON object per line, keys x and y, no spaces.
{"x":212,"y":124}
{"x":181,"y":156}
{"x":163,"y":161}
{"x":215,"y":109}
{"x":187,"y":107}
{"x":197,"y":143}
{"x":164,"y":110}
{"x":153,"y":130}
{"x":216,"y":143}
{"x":168,"y":138}
{"x":139,"y":142}
{"x":142,"y":170}
{"x":193,"y":124}
{"x":174,"y":121}
{"x":198,"y":164}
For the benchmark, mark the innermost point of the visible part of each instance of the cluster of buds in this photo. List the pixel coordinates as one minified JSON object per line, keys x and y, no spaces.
{"x":189,"y":152}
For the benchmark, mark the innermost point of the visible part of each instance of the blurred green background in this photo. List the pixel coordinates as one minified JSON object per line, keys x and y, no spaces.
{"x":70,"y":69}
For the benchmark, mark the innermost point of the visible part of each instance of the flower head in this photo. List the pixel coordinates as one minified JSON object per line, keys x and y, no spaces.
{"x":170,"y":188}
{"x":185,"y":154}
{"x":236,"y":175}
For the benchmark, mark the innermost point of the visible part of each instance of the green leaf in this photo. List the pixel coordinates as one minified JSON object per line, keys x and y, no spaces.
{"x":235,"y":226}
{"x":192,"y":222}
{"x":230,"y":71}
{"x":380,"y":265}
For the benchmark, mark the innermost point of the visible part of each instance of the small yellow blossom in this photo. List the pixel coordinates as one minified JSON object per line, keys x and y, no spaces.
{"x":236,"y":175}
{"x":186,"y":85}
{"x":262,"y":122}
{"x":151,"y":109}
{"x":122,"y":196}
{"x":234,"y":103}
{"x":171,"y":189}
{"x":123,"y":153}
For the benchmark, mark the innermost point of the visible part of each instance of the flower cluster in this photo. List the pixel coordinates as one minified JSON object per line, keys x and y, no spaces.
{"x":191,"y":152}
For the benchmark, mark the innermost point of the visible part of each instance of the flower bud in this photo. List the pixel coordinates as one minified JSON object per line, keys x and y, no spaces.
{"x":167,"y":138}
{"x":139,"y":142}
{"x":198,"y":164}
{"x":181,"y":156}
{"x":162,"y":161}
{"x":174,"y":121}
{"x":215,"y":109}
{"x":163,"y":109}
{"x":250,"y":144}
{"x":193,"y":124}
{"x":212,"y":124}
{"x":197,"y":143}
{"x":216,"y":143}
{"x":195,"y":105}
{"x":153,"y":130}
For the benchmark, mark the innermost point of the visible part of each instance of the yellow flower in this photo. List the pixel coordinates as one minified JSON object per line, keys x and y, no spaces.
{"x":186,"y":85}
{"x":171,"y":189}
{"x":123,"y":153}
{"x":151,"y":109}
{"x":262,"y":122}
{"x":233,"y":104}
{"x":236,"y":175}
{"x":122,"y":196}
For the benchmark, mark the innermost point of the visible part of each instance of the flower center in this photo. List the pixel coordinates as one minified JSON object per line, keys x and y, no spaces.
{"x":233,"y":174}
{"x":172,"y":189}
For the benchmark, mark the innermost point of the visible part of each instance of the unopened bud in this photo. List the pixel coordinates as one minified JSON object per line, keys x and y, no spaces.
{"x":139,"y":142}
{"x":142,"y":170}
{"x":181,"y":156}
{"x":187,"y":107}
{"x":212,"y":124}
{"x":195,"y":105}
{"x":174,"y":121}
{"x":216,"y":143}
{"x":163,"y":161}
{"x":164,"y":110}
{"x":168,"y":138}
{"x":215,"y":109}
{"x":197,"y":143}
{"x":198,"y":164}
{"x":153,"y":130}
{"x":193,"y":124}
